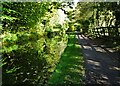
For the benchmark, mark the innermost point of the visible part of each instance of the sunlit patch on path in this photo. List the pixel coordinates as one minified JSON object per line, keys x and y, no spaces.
{"x":101,"y":64}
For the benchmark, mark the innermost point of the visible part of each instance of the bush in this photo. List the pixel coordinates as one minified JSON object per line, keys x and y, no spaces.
{"x":29,"y":56}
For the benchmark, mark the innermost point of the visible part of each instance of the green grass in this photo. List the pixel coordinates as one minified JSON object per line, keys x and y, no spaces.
{"x":70,"y":69}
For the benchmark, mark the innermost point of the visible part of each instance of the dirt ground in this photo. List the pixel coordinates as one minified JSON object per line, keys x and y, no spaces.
{"x":101,"y":63}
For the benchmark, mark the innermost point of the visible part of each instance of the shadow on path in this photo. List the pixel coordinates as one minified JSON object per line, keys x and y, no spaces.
{"x":101,"y":64}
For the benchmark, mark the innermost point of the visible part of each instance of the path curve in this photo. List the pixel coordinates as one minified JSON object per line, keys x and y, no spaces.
{"x":101,"y":64}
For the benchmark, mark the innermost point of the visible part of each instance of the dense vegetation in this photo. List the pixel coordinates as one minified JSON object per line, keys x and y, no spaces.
{"x":99,"y":20}
{"x":32,"y":41}
{"x":33,"y":38}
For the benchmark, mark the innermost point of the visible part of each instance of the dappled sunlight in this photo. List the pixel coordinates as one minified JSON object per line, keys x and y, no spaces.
{"x":101,"y":64}
{"x":87,"y":47}
{"x":99,"y":49}
{"x":39,"y":45}
{"x":93,"y":62}
{"x":115,"y":68}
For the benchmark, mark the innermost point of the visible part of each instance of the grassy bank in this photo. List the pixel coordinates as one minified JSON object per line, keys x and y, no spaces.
{"x":70,"y":69}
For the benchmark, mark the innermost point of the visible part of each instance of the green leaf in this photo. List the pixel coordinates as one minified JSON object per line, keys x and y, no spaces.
{"x":8,"y":18}
{"x":12,"y":70}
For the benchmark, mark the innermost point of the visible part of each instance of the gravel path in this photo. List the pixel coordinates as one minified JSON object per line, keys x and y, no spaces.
{"x":101,"y":63}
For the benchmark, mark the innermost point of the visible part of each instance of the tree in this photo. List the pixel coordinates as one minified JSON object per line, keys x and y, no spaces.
{"x":29,"y":51}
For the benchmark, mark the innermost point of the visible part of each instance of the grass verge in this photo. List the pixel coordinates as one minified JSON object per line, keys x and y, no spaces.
{"x":70,"y":69}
